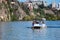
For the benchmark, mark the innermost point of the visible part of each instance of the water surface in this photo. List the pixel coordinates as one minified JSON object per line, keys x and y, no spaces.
{"x":20,"y":31}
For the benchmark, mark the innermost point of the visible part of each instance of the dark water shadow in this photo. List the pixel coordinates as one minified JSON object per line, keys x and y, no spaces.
{"x":47,"y":27}
{"x":53,"y":26}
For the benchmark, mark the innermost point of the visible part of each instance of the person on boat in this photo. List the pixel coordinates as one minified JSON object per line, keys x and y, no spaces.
{"x":43,"y":20}
{"x":34,"y":22}
{"x":43,"y":23}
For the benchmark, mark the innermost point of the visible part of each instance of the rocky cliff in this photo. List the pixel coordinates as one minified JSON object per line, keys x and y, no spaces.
{"x":10,"y":10}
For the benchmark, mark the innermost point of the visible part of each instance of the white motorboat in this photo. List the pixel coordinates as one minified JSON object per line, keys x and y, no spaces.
{"x":38,"y":25}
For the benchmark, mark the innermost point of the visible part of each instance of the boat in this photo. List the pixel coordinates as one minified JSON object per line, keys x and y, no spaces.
{"x":38,"y":25}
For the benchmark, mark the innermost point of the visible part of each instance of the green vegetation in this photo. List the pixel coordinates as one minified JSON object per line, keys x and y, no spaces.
{"x":27,"y":18}
{"x":14,"y":18}
{"x":51,"y":17}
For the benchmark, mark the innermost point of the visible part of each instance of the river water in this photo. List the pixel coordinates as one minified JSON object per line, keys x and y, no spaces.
{"x":21,"y":30}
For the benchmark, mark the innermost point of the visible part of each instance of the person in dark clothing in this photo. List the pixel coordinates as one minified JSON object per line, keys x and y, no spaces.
{"x":34,"y":22}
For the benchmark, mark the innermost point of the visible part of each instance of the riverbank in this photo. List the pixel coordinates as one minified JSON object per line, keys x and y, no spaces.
{"x":19,"y":11}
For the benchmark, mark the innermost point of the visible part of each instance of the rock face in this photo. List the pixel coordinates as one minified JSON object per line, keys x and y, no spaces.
{"x":10,"y":7}
{"x":3,"y":11}
{"x":12,"y":10}
{"x":48,"y":11}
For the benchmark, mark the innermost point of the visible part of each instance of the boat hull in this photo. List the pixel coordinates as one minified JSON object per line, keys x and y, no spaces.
{"x":38,"y":26}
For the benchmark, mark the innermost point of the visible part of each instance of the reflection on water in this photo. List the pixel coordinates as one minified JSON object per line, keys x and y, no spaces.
{"x":40,"y":30}
{"x":19,"y":31}
{"x":39,"y":34}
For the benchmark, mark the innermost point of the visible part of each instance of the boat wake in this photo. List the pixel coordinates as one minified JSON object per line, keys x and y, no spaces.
{"x":53,"y":26}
